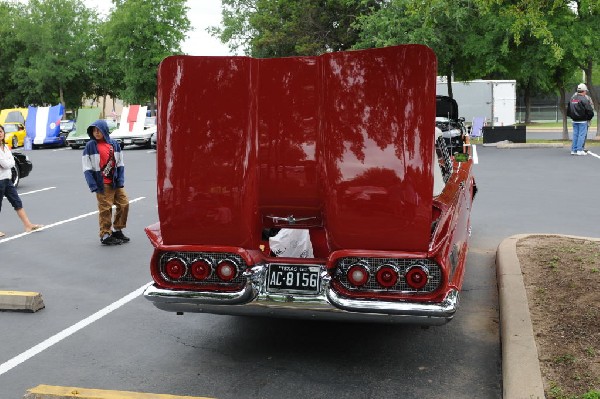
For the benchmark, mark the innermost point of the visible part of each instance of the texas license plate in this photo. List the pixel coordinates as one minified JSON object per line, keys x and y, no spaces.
{"x":127,"y":141}
{"x":298,"y":278}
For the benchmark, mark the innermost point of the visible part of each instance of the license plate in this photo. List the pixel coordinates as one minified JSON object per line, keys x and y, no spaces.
{"x":127,"y":141}
{"x":299,"y":278}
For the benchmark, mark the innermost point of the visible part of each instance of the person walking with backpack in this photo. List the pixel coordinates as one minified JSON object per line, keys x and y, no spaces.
{"x":104,"y":172}
{"x":581,"y":111}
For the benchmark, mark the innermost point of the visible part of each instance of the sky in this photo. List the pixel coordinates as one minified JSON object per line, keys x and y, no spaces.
{"x":202,"y":14}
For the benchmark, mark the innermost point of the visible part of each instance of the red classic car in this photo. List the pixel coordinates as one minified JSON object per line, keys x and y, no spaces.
{"x":341,"y":148}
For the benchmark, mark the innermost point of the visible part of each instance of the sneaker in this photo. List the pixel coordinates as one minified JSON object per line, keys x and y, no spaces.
{"x":581,"y":153}
{"x":119,"y":235}
{"x":111,"y":240}
{"x":573,"y":152}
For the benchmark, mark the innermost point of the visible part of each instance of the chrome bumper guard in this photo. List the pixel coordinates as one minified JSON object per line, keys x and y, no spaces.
{"x":255,"y":300}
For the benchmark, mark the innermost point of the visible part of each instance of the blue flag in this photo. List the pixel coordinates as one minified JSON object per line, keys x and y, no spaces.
{"x":43,"y":125}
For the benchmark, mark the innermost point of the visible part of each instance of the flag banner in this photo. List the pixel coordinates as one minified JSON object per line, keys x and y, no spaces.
{"x":43,"y":125}
{"x":132,"y":119}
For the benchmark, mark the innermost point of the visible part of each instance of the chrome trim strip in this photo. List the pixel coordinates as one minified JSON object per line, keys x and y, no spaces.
{"x":254,"y":300}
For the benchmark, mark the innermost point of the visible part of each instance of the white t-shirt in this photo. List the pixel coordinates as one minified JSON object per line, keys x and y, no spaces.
{"x":6,"y":162}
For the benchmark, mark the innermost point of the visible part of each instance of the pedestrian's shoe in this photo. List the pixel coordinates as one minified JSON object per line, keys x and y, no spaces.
{"x":110,"y":240}
{"x":119,"y":235}
{"x":581,"y":153}
{"x":573,"y":152}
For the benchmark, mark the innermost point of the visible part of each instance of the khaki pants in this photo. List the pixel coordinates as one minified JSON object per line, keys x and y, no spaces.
{"x":118,"y":198}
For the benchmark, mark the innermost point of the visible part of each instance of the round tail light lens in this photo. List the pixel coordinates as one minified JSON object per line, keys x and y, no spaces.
{"x":175,"y":269}
{"x":417,"y":277}
{"x":226,"y":270}
{"x":201,"y":269}
{"x":358,"y":275}
{"x":387,"y":276}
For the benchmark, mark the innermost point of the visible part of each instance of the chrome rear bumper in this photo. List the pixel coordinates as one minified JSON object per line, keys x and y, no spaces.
{"x":254,"y":300}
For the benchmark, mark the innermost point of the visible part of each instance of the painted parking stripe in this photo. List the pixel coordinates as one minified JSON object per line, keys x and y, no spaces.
{"x":48,"y":392}
{"x":28,"y":354}
{"x":474,"y":156}
{"x":593,"y":154}
{"x":37,"y":191}
{"x":46,"y":227}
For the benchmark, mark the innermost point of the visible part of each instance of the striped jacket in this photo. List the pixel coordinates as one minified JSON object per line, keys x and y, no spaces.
{"x":91,"y":160}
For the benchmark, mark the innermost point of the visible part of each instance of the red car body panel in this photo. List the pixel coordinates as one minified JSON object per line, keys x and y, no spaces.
{"x":249,"y":138}
{"x":341,"y":144}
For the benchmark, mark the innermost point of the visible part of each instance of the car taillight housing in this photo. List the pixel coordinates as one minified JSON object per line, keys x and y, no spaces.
{"x":358,"y":275}
{"x":175,"y":268}
{"x":387,"y":276}
{"x":417,"y":277}
{"x":201,"y":269}
{"x":226,"y":270}
{"x":214,"y":271}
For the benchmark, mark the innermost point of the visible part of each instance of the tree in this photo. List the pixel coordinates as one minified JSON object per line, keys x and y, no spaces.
{"x":52,"y":66}
{"x":279,"y":28}
{"x":445,"y":27}
{"x":139,"y":34}
{"x":586,"y":49}
{"x":9,"y":48}
{"x":105,"y":69}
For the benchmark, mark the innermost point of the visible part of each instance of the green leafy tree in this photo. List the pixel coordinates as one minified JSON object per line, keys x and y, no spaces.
{"x":9,"y":48}
{"x":586,"y":50}
{"x":278,"y":28}
{"x":52,"y":66}
{"x":138,"y":35}
{"x":447,"y":27}
{"x":106,"y":70}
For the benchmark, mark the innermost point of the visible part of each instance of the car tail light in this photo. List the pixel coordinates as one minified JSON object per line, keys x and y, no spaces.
{"x":417,"y":277}
{"x":226,"y":270}
{"x":387,"y":276}
{"x":175,"y":268}
{"x":358,"y":275}
{"x":201,"y":269}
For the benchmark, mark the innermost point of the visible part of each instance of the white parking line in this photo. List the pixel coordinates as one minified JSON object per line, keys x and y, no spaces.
{"x":59,"y":223}
{"x":593,"y":154}
{"x":28,"y":354}
{"x":37,"y":191}
{"x":474,"y":156}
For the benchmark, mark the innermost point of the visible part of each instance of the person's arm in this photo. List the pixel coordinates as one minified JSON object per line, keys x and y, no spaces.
{"x":589,"y":110}
{"x":88,"y":170}
{"x":7,"y":161}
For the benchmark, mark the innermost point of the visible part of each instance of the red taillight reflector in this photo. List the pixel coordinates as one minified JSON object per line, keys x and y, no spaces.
{"x":417,"y":277}
{"x":201,"y":269}
{"x":175,"y":269}
{"x":358,"y":275}
{"x":387,"y":276}
{"x":226,"y":270}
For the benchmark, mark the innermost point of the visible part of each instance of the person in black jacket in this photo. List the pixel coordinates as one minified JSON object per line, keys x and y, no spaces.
{"x":581,"y":111}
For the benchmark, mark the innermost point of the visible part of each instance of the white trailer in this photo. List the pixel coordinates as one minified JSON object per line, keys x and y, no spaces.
{"x":496,"y":100}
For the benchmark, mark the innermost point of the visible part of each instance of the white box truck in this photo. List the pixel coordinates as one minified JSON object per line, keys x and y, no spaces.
{"x":496,"y":100}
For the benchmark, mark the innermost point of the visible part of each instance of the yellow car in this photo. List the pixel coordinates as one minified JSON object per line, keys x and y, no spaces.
{"x":15,"y":134}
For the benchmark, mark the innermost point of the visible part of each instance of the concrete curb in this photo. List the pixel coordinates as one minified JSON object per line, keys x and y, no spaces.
{"x":21,"y":301}
{"x":504,"y":144}
{"x":521,"y":375}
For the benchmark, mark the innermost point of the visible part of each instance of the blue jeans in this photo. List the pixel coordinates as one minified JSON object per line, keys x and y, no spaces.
{"x":579,"y":135}
{"x":8,"y":190}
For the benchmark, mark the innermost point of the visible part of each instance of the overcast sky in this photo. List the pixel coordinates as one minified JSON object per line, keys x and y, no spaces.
{"x":202,"y":14}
